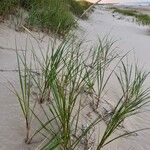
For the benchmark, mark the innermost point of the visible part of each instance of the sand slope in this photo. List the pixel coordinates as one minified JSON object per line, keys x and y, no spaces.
{"x":130,"y":37}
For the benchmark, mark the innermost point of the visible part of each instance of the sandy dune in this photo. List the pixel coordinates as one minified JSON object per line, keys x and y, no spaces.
{"x":129,"y":36}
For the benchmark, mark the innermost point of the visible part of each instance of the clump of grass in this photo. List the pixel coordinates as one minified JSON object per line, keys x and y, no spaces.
{"x":66,"y":79}
{"x":143,"y":19}
{"x":24,"y":95}
{"x":55,"y":16}
{"x":58,"y":16}
{"x":134,"y":97}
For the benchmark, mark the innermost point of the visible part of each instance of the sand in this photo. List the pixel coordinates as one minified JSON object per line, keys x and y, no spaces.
{"x":130,"y":37}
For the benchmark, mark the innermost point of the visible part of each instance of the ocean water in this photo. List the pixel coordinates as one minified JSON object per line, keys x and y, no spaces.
{"x":144,"y":3}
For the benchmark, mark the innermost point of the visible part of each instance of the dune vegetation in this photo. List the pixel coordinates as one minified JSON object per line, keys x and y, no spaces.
{"x":62,"y":90}
{"x":141,"y":18}
{"x":47,"y":15}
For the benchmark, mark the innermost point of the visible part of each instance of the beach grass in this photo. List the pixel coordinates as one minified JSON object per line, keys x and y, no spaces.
{"x":127,"y":12}
{"x":7,"y":6}
{"x":141,"y":18}
{"x":48,"y":15}
{"x":64,"y":80}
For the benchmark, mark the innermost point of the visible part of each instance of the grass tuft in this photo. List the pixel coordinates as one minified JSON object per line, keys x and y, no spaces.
{"x":67,"y":82}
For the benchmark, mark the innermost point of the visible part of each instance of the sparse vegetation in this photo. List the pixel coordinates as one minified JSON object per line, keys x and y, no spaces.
{"x":66,"y":85}
{"x":143,"y":19}
{"x":127,"y":12}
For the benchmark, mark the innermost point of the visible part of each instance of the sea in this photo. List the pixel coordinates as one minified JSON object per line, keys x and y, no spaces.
{"x":142,"y":3}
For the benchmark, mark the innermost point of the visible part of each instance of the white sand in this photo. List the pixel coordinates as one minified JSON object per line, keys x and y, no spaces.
{"x":130,"y":36}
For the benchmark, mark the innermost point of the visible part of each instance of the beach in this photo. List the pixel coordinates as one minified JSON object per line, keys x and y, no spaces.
{"x":129,"y":36}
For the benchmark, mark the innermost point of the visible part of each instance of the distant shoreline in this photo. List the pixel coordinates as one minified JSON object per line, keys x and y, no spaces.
{"x":144,"y":9}
{"x":139,"y":4}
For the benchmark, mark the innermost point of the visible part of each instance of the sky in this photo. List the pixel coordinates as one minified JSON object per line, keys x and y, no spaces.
{"x":116,"y":1}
